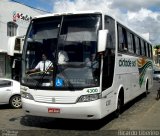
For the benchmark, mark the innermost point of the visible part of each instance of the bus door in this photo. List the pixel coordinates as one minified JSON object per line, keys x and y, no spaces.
{"x":107,"y":78}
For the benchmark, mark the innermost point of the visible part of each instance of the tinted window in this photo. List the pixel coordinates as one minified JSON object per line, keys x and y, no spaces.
{"x":142,"y":47}
{"x":109,"y":57}
{"x":5,"y":83}
{"x":151,"y":51}
{"x":133,"y":43}
{"x":138,"y":46}
{"x":145,"y":48}
{"x":130,"y":42}
{"x":122,"y":39}
{"x":110,"y":25}
{"x":148,"y":50}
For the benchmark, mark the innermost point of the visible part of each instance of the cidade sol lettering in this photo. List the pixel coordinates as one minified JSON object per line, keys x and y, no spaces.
{"x":127,"y":63}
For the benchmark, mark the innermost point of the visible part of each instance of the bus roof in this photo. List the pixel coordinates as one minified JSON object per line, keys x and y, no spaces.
{"x":92,"y":12}
{"x":69,"y":13}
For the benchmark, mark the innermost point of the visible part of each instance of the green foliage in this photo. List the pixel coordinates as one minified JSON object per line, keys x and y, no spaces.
{"x":157,"y":47}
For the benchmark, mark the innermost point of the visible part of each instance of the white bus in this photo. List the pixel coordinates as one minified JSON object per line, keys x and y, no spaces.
{"x":98,"y":66}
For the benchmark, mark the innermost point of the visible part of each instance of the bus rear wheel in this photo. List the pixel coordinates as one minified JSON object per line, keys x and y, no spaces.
{"x":119,"y":107}
{"x":146,"y":92}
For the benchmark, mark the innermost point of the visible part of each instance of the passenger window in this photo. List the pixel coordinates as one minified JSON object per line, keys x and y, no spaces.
{"x":137,"y":44}
{"x":122,"y":39}
{"x":151,"y":51}
{"x":148,"y":50}
{"x":131,"y":43}
{"x":145,"y":52}
{"x":110,"y":25}
{"x":142,"y":46}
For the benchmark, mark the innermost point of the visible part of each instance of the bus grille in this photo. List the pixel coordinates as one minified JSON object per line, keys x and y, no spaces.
{"x":56,"y":99}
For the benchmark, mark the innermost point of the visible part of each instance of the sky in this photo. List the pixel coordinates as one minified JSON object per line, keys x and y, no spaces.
{"x":142,"y":16}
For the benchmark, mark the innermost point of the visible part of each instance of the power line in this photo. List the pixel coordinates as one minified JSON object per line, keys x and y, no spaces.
{"x":30,"y":6}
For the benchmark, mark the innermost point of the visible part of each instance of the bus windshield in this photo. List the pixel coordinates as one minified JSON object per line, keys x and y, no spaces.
{"x":60,"y":52}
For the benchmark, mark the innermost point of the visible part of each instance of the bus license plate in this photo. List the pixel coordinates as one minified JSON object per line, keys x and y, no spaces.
{"x":53,"y":110}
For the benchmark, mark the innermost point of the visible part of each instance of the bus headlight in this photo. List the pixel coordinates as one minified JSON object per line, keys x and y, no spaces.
{"x":90,"y":97}
{"x":27,"y":95}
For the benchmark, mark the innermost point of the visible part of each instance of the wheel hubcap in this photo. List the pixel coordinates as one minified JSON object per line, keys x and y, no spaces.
{"x":17,"y":102}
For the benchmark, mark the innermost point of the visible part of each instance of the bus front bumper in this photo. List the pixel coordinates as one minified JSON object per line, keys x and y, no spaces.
{"x":82,"y":110}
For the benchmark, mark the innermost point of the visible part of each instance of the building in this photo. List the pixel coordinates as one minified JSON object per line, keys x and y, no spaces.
{"x":156,"y":56}
{"x":14,"y":21}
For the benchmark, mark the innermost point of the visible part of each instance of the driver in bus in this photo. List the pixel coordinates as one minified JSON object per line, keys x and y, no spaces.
{"x":42,"y":66}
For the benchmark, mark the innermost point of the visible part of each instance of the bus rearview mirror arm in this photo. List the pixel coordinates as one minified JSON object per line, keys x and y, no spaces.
{"x":102,"y":40}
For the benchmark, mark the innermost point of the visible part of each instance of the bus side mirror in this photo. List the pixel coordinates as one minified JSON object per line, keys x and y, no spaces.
{"x":102,"y":40}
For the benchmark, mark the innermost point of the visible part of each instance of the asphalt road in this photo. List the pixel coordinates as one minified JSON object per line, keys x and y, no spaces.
{"x":140,"y":117}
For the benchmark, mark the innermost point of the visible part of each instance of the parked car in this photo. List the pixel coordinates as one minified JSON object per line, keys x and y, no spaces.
{"x":10,"y":93}
{"x":156,"y":74}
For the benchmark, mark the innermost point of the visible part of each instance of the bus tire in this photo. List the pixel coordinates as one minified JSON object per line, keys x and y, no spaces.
{"x":119,"y":105}
{"x":146,"y":92}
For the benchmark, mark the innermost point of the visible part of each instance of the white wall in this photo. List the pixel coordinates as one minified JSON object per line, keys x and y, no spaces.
{"x":8,"y":8}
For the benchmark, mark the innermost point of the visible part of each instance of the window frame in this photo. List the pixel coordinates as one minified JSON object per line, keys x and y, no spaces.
{"x":5,"y":83}
{"x":122,"y":47}
{"x":136,"y":45}
{"x":12,"y":29}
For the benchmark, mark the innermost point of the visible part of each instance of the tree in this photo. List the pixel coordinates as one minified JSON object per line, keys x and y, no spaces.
{"x":156,"y":47}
